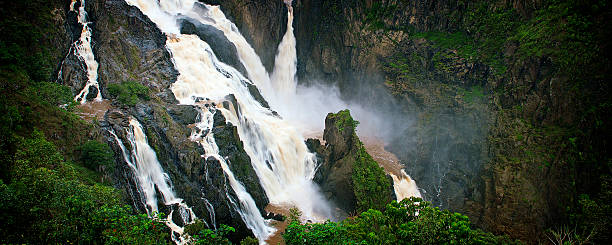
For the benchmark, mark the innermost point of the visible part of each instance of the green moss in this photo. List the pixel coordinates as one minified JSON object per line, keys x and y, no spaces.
{"x":129,"y":92}
{"x":370,"y":183}
{"x":343,"y":120}
{"x":569,"y":33}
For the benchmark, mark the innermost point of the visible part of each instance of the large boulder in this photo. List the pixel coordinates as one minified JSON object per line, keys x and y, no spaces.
{"x":348,"y":174}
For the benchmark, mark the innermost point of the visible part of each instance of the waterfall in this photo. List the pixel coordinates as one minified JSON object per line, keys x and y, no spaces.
{"x":404,"y":186}
{"x":277,"y":150}
{"x":285,"y":64}
{"x":151,"y":179}
{"x":246,"y":206}
{"x":84,"y":52}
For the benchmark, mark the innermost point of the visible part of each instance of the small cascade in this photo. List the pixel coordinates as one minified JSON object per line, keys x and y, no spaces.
{"x":83,"y":50}
{"x":285,"y":64}
{"x":212,"y":15}
{"x":404,"y":186}
{"x":151,"y":180}
{"x":245,"y":206}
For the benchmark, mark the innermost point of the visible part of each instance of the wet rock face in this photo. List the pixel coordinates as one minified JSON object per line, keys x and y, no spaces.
{"x":262,"y":22}
{"x":129,"y":47}
{"x":71,"y":70}
{"x":223,"y":48}
{"x":339,"y":159}
{"x":232,"y":148}
{"x":183,"y":114}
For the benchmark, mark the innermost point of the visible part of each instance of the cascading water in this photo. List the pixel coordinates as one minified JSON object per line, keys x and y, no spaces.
{"x":404,"y":186}
{"x":83,"y":50}
{"x":246,"y":206}
{"x":151,"y":178}
{"x":277,"y":150}
{"x":285,"y":64}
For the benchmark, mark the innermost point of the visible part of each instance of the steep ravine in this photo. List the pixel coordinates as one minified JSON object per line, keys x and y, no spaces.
{"x":477,"y":120}
{"x":494,"y":138}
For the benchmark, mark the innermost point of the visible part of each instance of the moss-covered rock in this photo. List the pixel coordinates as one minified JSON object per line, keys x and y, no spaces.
{"x":348,"y":175}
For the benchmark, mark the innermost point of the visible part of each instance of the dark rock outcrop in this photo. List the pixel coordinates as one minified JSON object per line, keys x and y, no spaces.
{"x":129,"y":47}
{"x":223,"y":48}
{"x":262,"y":22}
{"x":339,"y":158}
{"x":232,"y":148}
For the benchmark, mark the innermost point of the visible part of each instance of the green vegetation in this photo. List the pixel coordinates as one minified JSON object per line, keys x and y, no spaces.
{"x":564,"y":31}
{"x":47,"y":196}
{"x":207,"y":236}
{"x":375,"y":16}
{"x":129,"y":93}
{"x":343,"y":119}
{"x":201,"y":234}
{"x":411,"y":221}
{"x":45,"y":199}
{"x":370,"y":183}
{"x":95,"y":154}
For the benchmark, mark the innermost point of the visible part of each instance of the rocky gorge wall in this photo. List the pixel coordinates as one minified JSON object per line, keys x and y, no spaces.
{"x":496,"y":111}
{"x":130,"y":48}
{"x":496,"y":133}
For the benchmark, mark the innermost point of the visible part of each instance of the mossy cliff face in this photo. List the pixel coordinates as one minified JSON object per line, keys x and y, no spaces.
{"x":509,"y":97}
{"x":348,"y":175}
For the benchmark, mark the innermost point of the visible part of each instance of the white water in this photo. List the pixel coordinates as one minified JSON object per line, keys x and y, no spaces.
{"x":278,"y":153}
{"x":246,"y":206}
{"x":285,"y":65}
{"x":151,"y":178}
{"x":404,"y":186}
{"x":84,"y":52}
{"x":279,"y":156}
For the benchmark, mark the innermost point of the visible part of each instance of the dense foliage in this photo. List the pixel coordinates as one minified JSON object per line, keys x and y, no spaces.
{"x":370,"y":183}
{"x":201,"y":234}
{"x":411,"y":221}
{"x":45,"y":199}
{"x":95,"y":155}
{"x":47,"y":195}
{"x":128,"y":93}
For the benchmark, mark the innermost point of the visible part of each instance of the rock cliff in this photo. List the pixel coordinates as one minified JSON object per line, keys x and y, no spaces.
{"x":484,"y":102}
{"x":129,"y":47}
{"x":347,"y":174}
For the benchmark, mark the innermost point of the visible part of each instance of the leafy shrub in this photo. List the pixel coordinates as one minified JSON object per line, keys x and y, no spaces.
{"x":411,"y":221}
{"x":370,"y":183}
{"x":207,"y":236}
{"x":119,"y":226}
{"x":52,"y":93}
{"x":46,"y":200}
{"x":95,"y":154}
{"x":129,"y":93}
{"x":35,"y":152}
{"x":309,"y":233}
{"x":201,"y":234}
